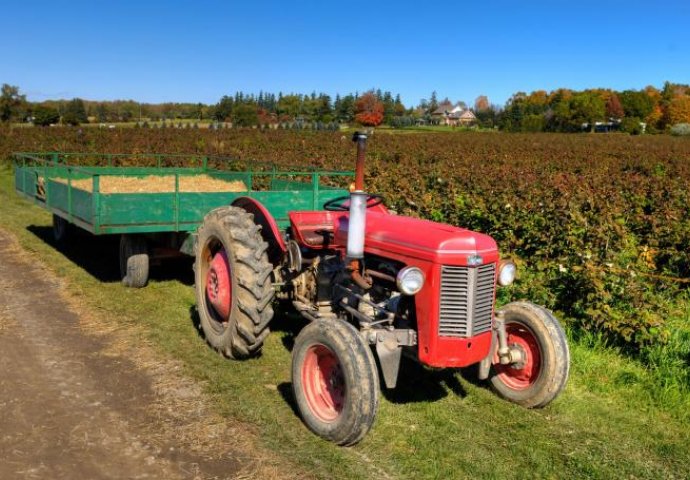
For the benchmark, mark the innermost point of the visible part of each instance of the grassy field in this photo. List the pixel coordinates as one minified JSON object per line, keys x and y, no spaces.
{"x":437,"y":424}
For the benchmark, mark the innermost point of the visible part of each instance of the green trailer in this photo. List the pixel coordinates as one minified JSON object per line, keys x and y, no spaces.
{"x":77,"y":189}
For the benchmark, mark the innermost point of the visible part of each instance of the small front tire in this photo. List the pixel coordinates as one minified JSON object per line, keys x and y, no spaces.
{"x":543,"y":371}
{"x":335,"y":381}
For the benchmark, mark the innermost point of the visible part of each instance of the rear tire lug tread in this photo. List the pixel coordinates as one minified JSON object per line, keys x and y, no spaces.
{"x":251,"y":314}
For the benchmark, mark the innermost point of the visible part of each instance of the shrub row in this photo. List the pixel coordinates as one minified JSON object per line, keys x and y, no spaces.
{"x":600,"y":223}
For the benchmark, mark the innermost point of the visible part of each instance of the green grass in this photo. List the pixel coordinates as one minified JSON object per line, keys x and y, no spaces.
{"x":437,"y":424}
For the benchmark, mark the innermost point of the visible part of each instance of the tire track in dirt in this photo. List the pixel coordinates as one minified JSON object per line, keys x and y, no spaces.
{"x":81,"y":402}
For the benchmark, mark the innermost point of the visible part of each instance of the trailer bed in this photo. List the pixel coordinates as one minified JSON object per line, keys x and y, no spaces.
{"x":83,"y":189}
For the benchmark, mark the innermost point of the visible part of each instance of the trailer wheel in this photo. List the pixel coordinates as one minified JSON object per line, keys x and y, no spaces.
{"x":543,"y":371}
{"x":233,"y":286}
{"x":134,"y":261}
{"x":61,"y":230}
{"x":335,"y":381}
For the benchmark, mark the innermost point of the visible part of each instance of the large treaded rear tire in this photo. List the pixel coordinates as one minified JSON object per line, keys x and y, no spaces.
{"x":544,"y":373}
{"x":242,"y":333}
{"x":335,"y":381}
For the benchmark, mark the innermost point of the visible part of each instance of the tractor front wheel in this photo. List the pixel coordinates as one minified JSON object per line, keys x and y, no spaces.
{"x":542,"y":371}
{"x":335,"y":381}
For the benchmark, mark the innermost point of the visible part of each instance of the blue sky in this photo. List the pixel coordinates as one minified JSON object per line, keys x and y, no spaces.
{"x":197,"y":51}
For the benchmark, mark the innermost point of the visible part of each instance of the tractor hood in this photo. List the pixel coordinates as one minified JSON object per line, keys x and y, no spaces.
{"x":402,"y":236}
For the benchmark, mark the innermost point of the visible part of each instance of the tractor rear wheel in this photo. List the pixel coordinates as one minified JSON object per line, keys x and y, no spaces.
{"x":542,"y":372}
{"x":134,"y":261}
{"x":335,"y":381}
{"x":233,"y":286}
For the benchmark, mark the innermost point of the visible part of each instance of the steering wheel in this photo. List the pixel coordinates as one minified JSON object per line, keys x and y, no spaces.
{"x":341,"y":204}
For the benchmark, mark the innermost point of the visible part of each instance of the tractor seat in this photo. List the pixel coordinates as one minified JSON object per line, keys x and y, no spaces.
{"x":314,"y":229}
{"x":320,"y":237}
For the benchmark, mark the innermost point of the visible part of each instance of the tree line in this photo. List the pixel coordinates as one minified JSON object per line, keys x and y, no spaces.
{"x":561,"y":110}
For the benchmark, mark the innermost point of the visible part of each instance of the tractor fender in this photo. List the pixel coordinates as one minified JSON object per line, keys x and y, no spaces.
{"x":269,"y":228}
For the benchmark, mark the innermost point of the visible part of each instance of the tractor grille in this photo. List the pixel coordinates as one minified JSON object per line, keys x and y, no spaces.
{"x":467,"y":299}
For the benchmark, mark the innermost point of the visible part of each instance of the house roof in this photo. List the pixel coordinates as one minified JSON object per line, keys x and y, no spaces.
{"x":464,"y":115}
{"x":442,"y":108}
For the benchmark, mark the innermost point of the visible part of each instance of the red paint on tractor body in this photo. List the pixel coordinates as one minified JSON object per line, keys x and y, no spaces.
{"x":219,"y":285}
{"x":421,"y":243}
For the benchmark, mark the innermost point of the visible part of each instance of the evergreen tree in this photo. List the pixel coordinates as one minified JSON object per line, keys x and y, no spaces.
{"x":433,"y":103}
{"x":75,"y":113}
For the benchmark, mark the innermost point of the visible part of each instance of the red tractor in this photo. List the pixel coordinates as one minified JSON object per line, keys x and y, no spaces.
{"x":373,"y":285}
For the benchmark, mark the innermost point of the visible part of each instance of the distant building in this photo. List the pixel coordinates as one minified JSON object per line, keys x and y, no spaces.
{"x":453,"y":115}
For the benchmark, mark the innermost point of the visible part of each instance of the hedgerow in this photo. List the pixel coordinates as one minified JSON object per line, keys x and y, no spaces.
{"x":600,"y":224}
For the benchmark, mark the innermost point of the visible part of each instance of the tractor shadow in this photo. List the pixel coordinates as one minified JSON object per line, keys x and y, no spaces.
{"x":98,"y":255}
{"x":418,"y":384}
{"x":287,"y":324}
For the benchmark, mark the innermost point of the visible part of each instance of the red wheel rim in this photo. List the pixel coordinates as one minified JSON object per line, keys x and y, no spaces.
{"x":323,"y":383}
{"x":219,"y":284}
{"x":524,"y":374}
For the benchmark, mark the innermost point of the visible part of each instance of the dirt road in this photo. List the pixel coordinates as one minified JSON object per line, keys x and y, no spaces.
{"x":79,"y":404}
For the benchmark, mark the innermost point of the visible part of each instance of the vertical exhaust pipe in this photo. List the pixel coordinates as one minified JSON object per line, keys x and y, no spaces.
{"x":358,"y":203}
{"x":356,"y":225}
{"x":361,"y":140}
{"x":358,"y":216}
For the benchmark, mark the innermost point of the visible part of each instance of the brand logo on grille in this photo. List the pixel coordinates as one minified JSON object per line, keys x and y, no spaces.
{"x":474,"y":260}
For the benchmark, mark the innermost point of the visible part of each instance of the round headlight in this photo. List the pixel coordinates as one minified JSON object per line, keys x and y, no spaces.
{"x":506,"y":272}
{"x":410,"y":280}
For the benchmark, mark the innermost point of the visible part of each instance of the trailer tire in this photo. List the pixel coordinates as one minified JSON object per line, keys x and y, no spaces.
{"x":542,"y":375}
{"x":134,"y":261}
{"x":62,"y":230}
{"x":335,"y":381}
{"x":234,"y":291}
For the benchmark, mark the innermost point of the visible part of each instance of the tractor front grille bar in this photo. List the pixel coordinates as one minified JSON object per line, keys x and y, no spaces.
{"x":467,"y":300}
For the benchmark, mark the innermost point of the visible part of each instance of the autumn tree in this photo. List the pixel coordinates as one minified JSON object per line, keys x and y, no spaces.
{"x":679,"y":110}
{"x":369,"y":110}
{"x":11,"y":103}
{"x":614,"y":109}
{"x":481,"y":103}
